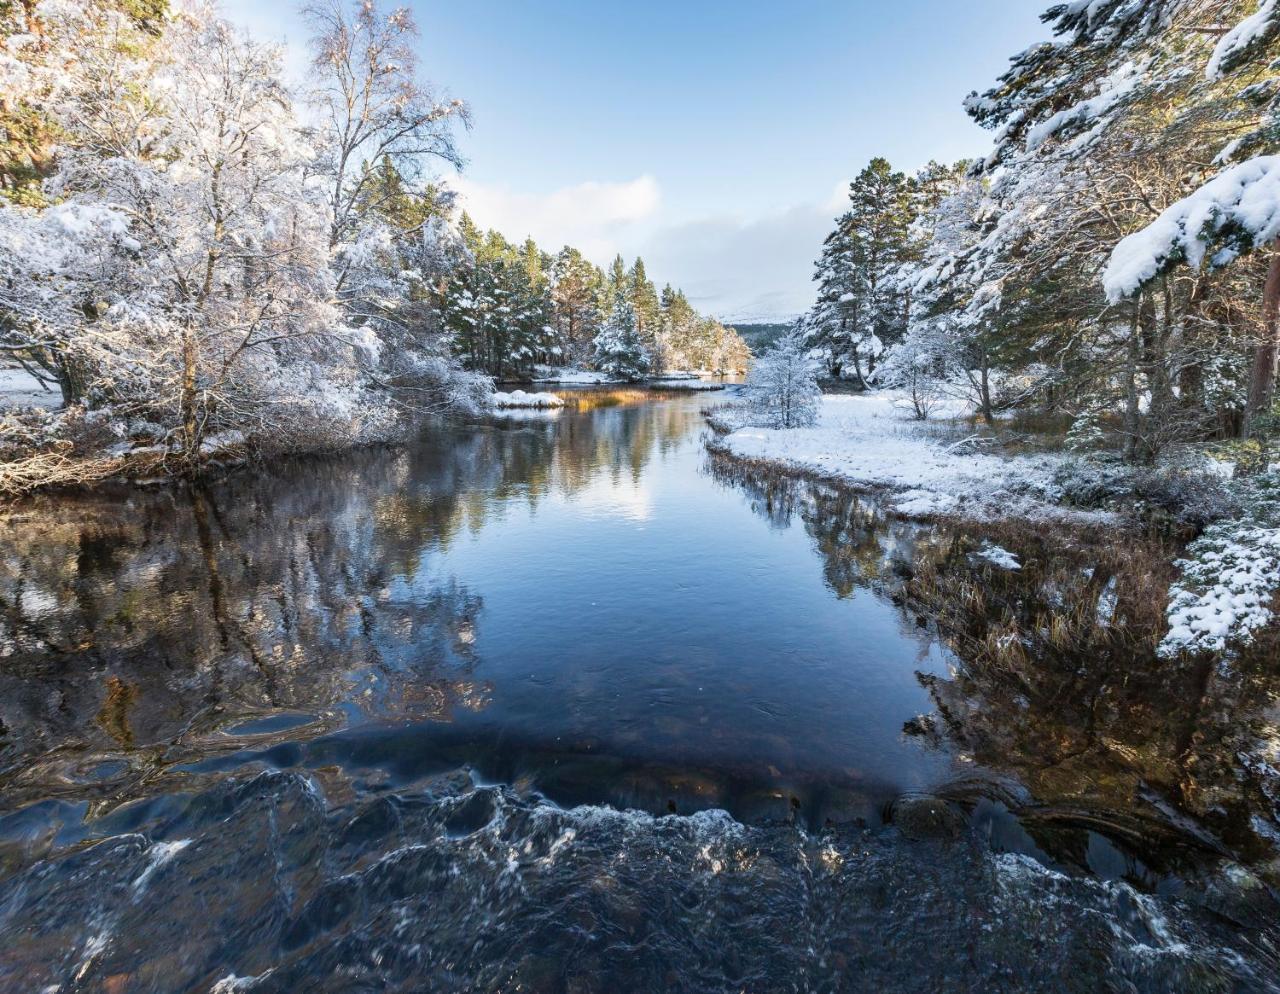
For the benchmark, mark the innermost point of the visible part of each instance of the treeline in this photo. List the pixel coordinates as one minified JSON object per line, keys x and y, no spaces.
{"x":511,"y":308}
{"x":1099,"y":264}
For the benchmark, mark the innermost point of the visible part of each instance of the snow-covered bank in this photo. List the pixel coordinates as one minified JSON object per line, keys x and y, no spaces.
{"x":868,"y":441}
{"x":1229,"y":577}
{"x":521,"y":398}
{"x":585,"y":377}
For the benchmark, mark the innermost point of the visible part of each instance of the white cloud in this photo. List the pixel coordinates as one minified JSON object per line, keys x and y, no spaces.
{"x":838,"y":202}
{"x":598,"y":218}
{"x":729,"y":265}
{"x":739,"y":268}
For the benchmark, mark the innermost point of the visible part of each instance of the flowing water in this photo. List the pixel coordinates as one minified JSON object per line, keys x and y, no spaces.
{"x":562,"y":703}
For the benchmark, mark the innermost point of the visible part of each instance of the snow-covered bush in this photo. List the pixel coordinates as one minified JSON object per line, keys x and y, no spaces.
{"x":1085,"y":434}
{"x":782,"y":388}
{"x":920,"y":365}
{"x":1189,"y":495}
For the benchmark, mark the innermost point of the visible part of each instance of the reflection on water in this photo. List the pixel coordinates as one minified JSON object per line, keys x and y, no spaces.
{"x":1056,"y":690}
{"x":233,"y":720}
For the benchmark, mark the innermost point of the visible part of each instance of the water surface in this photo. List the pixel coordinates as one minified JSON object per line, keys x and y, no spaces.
{"x":374,"y":722}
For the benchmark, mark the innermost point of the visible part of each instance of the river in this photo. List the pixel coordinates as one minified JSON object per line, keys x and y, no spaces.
{"x":561,"y":702}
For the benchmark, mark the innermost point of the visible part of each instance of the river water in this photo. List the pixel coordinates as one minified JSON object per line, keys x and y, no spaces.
{"x":560,"y":702}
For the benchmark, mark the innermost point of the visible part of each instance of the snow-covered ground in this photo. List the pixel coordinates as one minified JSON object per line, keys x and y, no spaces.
{"x":869,"y":440}
{"x":18,"y":388}
{"x":555,"y":374}
{"x":520,"y":398}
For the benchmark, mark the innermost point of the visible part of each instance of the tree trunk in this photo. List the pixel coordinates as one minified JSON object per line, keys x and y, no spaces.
{"x":857,"y":368}
{"x":1132,"y":411}
{"x":1262,"y":380}
{"x":988,"y":414}
{"x":187,"y":403}
{"x":71,"y":380}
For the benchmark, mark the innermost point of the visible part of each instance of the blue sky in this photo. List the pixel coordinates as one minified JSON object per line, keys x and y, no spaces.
{"x":714,"y":138}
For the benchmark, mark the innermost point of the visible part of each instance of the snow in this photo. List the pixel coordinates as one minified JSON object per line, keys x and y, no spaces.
{"x":18,"y":388}
{"x":866,"y":441}
{"x":1238,"y":210}
{"x":220,"y":442}
{"x":519,"y":398}
{"x":998,"y":556}
{"x":1226,"y":589}
{"x":553,"y":374}
{"x":1253,"y":30}
{"x":1084,"y":112}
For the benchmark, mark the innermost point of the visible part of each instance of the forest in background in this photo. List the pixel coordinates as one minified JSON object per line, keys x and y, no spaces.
{"x":201,"y":258}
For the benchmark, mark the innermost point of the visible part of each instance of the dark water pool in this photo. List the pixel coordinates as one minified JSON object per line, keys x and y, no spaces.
{"x":561,"y":703}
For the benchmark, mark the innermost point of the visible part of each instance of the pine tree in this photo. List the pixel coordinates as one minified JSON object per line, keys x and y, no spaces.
{"x":577,"y":289}
{"x":861,"y":307}
{"x":644,"y":300}
{"x":616,"y":279}
{"x":618,"y":349}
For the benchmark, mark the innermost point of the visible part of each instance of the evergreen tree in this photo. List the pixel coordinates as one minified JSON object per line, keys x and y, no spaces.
{"x":861,"y":307}
{"x":619,"y":351}
{"x":644,"y":300}
{"x":616,"y":279}
{"x":577,"y":290}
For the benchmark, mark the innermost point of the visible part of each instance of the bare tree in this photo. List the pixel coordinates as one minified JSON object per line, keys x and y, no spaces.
{"x":373,"y":104}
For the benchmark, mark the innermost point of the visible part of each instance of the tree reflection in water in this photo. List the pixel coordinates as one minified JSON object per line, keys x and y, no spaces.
{"x":139,"y":628}
{"x":1057,"y":689}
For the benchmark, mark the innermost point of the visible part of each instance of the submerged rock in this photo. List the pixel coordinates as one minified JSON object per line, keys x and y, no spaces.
{"x":923,"y":817}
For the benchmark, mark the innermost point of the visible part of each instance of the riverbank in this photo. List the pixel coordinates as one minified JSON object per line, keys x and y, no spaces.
{"x":44,"y":447}
{"x":947,"y":468}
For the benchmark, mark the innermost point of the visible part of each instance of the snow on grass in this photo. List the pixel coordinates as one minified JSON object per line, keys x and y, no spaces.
{"x":18,"y":388}
{"x":519,"y":398}
{"x":866,"y":440}
{"x":998,"y":556}
{"x":558,"y":374}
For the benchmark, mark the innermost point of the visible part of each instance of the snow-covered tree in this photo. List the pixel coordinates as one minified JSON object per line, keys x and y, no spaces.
{"x":373,"y":105}
{"x":861,"y":307}
{"x":1232,"y":214}
{"x":782,"y":388}
{"x":618,"y":348}
{"x":923,"y":365}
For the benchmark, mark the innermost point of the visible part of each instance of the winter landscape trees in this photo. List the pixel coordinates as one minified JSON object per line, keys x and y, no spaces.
{"x":782,"y":390}
{"x":199,"y":256}
{"x":1082,"y":266}
{"x":1111,"y":269}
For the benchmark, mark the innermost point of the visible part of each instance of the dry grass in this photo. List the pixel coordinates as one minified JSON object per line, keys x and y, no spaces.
{"x":50,"y":470}
{"x":1077,"y":592}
